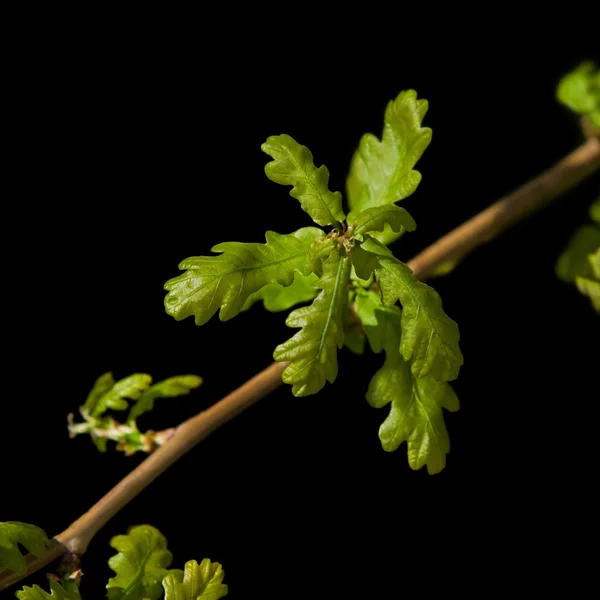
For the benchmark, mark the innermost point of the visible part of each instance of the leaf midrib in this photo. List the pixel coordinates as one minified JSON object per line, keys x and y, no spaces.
{"x":420,"y":306}
{"x":137,"y":577}
{"x":330,"y":216}
{"x":242,"y":268}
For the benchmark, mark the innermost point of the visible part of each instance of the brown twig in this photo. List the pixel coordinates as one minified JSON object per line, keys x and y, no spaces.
{"x":567,"y":173}
{"x":492,"y":221}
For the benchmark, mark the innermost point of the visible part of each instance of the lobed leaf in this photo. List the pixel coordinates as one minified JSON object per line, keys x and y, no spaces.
{"x":140,"y":565}
{"x":382,"y":172}
{"x":416,"y":415}
{"x":172,"y":387}
{"x":226,"y":282}
{"x":293,"y":165}
{"x":430,"y":339}
{"x":202,"y":581}
{"x":377,"y":217}
{"x":57,"y":592}
{"x":102,"y":385}
{"x":13,"y":533}
{"x":312,"y":352}
{"x":116,"y":398}
{"x":580,"y":91}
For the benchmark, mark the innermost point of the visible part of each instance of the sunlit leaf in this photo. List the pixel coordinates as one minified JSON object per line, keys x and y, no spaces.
{"x":226,"y":282}
{"x":13,"y":533}
{"x":376,"y":217}
{"x":202,"y":581}
{"x":416,"y":415}
{"x":580,"y":91}
{"x":293,"y":165}
{"x":382,"y":172}
{"x":276,"y":298}
{"x":128,"y":388}
{"x":70,"y":591}
{"x":179,"y":385}
{"x":430,"y":339}
{"x":140,"y":565}
{"x":312,"y":352}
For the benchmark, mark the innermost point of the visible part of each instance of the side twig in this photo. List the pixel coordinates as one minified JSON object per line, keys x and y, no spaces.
{"x":567,"y":173}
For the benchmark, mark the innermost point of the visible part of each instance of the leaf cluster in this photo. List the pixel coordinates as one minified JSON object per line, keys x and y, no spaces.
{"x":141,"y":568}
{"x":580,"y":91}
{"x":333,"y":270}
{"x":137,"y":389}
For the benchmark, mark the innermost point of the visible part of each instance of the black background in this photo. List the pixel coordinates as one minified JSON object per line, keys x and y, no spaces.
{"x":126,"y":160}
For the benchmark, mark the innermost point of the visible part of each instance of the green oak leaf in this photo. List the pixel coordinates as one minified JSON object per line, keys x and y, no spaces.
{"x":580,"y":91}
{"x":382,"y":172}
{"x":226,"y":282}
{"x":416,"y":415}
{"x":57,"y":592}
{"x":430,"y":339}
{"x":140,"y":565}
{"x":116,"y":397}
{"x":202,"y":581}
{"x":276,"y":298}
{"x":366,"y":303}
{"x":293,"y":165}
{"x":312,"y":352}
{"x":172,"y":387}
{"x":13,"y":533}
{"x":574,"y":262}
{"x":102,"y":385}
{"x":318,"y":252}
{"x":365,"y":263}
{"x":595,"y":211}
{"x":375,"y":219}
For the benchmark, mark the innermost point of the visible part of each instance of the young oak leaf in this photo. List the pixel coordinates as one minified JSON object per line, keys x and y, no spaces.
{"x":140,"y":565}
{"x":226,"y":282}
{"x":276,"y":298}
{"x":172,"y":387}
{"x":382,"y":172}
{"x":580,"y":91}
{"x":202,"y":581}
{"x":377,"y":217}
{"x":416,"y":415}
{"x":102,"y":385}
{"x":115,"y":398}
{"x":293,"y":165}
{"x":57,"y":592}
{"x":430,"y":339}
{"x":312,"y":352}
{"x":13,"y":533}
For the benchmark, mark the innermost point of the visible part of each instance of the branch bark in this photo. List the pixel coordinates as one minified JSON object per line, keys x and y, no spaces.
{"x":567,"y":173}
{"x":507,"y":211}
